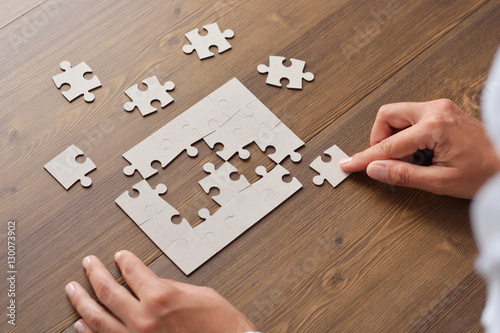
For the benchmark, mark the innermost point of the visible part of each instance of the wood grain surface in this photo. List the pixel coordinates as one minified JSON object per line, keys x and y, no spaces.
{"x":364,"y":257}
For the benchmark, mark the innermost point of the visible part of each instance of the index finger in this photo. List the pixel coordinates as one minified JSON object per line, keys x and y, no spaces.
{"x":397,"y":146}
{"x":139,"y":278}
{"x":394,"y":117}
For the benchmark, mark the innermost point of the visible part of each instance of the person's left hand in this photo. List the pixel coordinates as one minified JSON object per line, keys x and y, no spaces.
{"x":159,"y":305}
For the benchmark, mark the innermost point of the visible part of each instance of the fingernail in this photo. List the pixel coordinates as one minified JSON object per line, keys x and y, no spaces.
{"x":377,"y":171}
{"x":70,"y":289}
{"x":86,"y":262}
{"x":117,"y":255}
{"x":345,"y":161}
{"x":79,"y":327}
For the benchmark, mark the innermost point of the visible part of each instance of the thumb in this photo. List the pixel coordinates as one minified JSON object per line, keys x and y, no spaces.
{"x":401,"y":173}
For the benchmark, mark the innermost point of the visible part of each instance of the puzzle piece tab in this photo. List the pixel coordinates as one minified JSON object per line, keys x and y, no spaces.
{"x":142,"y":155}
{"x":67,"y":171}
{"x":220,"y":179}
{"x":143,"y":99}
{"x":277,"y":71}
{"x":202,"y":44}
{"x":330,"y":171}
{"x":234,"y":139}
{"x":74,"y":77}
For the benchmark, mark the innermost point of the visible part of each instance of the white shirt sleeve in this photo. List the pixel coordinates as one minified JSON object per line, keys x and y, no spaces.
{"x":485,"y":210}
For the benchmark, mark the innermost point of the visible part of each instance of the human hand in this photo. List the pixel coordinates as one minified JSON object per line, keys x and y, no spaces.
{"x":463,"y":158}
{"x":159,"y":305}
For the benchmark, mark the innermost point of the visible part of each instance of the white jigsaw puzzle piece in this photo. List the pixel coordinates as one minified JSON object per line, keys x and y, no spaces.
{"x":284,"y":141}
{"x":202,"y":44}
{"x":256,"y":120}
{"x":189,"y":251}
{"x":175,"y":137}
{"x":277,"y":71}
{"x":205,"y":117}
{"x":143,"y":99}
{"x":74,"y":76}
{"x":234,"y":139}
{"x":272,"y":187}
{"x":330,"y":171}
{"x":143,"y":207}
{"x":142,"y":155}
{"x":67,"y":171}
{"x":232,"y":97}
{"x":220,"y":178}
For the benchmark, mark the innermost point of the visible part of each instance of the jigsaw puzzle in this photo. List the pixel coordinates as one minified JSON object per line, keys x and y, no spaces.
{"x":330,"y":171}
{"x":143,"y":99}
{"x":277,"y":71}
{"x":78,"y":84}
{"x":67,"y":171}
{"x":234,"y":117}
{"x":202,"y":44}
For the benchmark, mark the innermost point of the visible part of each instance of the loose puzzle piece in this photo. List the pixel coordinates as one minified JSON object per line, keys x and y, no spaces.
{"x":220,"y":179}
{"x":284,"y":141}
{"x":330,"y":171}
{"x":202,"y":44}
{"x":67,"y":170}
{"x":277,"y":71}
{"x":143,"y":99}
{"x":74,"y":77}
{"x":272,"y":187}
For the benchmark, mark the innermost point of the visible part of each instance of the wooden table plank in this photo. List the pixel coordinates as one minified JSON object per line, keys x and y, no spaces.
{"x":127,"y":41}
{"x":12,"y":10}
{"x":394,"y":259}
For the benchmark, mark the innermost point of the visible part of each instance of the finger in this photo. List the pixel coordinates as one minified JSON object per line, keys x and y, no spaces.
{"x":397,"y":146}
{"x":113,"y":295}
{"x":94,"y":315}
{"x":138,"y":277}
{"x":427,"y":178}
{"x":82,"y":327}
{"x":394,"y":117}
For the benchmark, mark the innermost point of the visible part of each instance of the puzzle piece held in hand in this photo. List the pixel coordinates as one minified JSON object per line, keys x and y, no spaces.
{"x":74,"y":77}
{"x":67,"y":170}
{"x":277,"y":71}
{"x":330,"y":171}
{"x":143,"y":99}
{"x":202,"y":44}
{"x":221,"y":179}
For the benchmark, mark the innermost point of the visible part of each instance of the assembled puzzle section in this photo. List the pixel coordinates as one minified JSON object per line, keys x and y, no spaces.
{"x":330,"y":171}
{"x":234,"y":117}
{"x":67,"y":171}
{"x":79,"y":85}
{"x":277,"y":71}
{"x":202,"y":44}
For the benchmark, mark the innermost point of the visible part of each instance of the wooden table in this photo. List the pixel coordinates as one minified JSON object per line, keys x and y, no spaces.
{"x":364,"y":257}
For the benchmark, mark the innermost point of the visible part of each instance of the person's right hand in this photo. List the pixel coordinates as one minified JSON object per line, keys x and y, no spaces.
{"x":463,"y":158}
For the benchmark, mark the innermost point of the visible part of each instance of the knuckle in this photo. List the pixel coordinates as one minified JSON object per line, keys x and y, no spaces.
{"x":401,"y":175}
{"x":383,"y":110}
{"x":445,"y":104}
{"x":385,"y":146}
{"x":161,"y":296}
{"x":147,"y":325}
{"x":102,"y":291}
{"x":94,"y":319}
